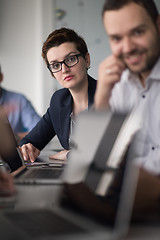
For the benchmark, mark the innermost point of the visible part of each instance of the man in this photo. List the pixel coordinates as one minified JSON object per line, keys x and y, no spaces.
{"x":21,"y":114}
{"x":130,"y":77}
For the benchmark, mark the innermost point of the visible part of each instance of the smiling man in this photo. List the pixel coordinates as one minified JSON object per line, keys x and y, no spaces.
{"x":130,"y":77}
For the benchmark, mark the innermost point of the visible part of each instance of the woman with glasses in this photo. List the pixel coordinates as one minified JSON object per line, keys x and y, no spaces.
{"x":67,"y":58}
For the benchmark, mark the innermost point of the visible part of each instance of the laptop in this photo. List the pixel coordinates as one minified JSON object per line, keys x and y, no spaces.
{"x":61,"y":222}
{"x":100,"y":139}
{"x":42,"y":171}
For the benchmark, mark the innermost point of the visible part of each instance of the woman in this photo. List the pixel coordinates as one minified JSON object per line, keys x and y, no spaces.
{"x":66,"y":56}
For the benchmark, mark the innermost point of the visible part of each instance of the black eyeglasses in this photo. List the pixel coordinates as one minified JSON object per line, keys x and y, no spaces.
{"x":70,"y":61}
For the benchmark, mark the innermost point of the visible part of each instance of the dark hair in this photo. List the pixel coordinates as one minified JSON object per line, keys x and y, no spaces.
{"x":149,"y":6}
{"x":60,"y":36}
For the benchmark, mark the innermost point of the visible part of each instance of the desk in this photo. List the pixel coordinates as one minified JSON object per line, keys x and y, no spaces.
{"x":143,"y":233}
{"x":31,"y":196}
{"x":41,"y":196}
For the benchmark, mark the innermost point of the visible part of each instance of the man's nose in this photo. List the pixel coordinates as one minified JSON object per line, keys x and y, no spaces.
{"x":128,"y":45}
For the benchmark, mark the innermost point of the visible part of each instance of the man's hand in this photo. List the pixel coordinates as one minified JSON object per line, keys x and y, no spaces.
{"x":109,"y":74}
{"x":29,"y":152}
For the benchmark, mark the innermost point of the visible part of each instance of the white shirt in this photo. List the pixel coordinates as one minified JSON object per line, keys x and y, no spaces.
{"x":129,"y":93}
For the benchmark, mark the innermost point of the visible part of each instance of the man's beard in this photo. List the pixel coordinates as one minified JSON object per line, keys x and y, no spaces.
{"x":149,"y":64}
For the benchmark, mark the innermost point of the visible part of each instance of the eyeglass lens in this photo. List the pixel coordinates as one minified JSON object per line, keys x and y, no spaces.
{"x":69,"y":62}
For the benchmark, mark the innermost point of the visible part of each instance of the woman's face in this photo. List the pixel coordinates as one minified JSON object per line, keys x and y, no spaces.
{"x":69,"y":77}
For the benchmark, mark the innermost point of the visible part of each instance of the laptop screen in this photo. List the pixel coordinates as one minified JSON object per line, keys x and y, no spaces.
{"x":103,"y":142}
{"x":8,"y":145}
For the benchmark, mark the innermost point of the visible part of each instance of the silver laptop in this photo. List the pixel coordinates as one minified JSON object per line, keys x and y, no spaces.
{"x":42,"y":171}
{"x":62,"y":222}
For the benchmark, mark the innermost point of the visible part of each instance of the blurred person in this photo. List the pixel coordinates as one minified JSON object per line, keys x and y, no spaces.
{"x":21,"y":114}
{"x":67,"y":58}
{"x":7,"y":187}
{"x":130,"y":77}
{"x":145,"y":202}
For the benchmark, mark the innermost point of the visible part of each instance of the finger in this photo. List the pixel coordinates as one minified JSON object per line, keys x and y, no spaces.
{"x":52,"y":157}
{"x":36,"y":153}
{"x":55,"y":156}
{"x":60,"y":155}
{"x":32,"y":152}
{"x":115,"y":69}
{"x":112,"y":61}
{"x":24,"y":152}
{"x":28,"y":152}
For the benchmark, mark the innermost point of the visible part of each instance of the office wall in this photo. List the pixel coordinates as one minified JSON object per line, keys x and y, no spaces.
{"x":25,"y":24}
{"x":85,"y":17}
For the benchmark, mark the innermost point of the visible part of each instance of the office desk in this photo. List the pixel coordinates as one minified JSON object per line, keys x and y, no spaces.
{"x":41,"y":196}
{"x":31,"y":196}
{"x":143,"y":233}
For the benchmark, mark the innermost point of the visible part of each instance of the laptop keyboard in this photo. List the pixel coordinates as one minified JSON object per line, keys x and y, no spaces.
{"x":43,"y":173}
{"x":42,"y":223}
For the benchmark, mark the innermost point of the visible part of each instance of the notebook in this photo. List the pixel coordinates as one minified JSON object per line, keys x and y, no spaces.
{"x":60,"y":222}
{"x":42,"y":171}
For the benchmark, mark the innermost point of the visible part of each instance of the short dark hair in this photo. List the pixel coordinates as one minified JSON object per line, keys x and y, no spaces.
{"x":149,"y":6}
{"x":60,"y":36}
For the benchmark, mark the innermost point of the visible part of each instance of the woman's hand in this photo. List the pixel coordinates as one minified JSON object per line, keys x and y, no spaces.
{"x":62,"y":155}
{"x":29,"y":152}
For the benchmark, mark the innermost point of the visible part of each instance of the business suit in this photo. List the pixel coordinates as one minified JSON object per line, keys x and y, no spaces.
{"x":56,"y":121}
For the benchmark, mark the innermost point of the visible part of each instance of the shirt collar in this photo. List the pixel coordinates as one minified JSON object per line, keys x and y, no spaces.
{"x":131,"y":77}
{"x":155,"y":73}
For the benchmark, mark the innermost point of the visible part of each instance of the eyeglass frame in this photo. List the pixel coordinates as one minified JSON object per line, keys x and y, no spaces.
{"x":63,"y":62}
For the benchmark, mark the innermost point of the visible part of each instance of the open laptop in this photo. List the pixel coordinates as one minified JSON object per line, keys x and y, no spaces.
{"x":51,"y":173}
{"x":42,"y":171}
{"x":60,"y":222}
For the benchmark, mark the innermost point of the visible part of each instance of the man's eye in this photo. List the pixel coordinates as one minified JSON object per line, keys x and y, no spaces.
{"x":115,"y":39}
{"x":138,"y":32}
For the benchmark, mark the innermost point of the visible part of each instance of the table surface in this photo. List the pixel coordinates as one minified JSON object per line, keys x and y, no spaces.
{"x":40,"y":196}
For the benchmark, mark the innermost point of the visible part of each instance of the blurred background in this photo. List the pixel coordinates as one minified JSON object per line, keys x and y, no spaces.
{"x":25,"y":25}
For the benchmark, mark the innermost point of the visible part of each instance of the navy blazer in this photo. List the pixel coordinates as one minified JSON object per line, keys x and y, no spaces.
{"x":56,"y":121}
